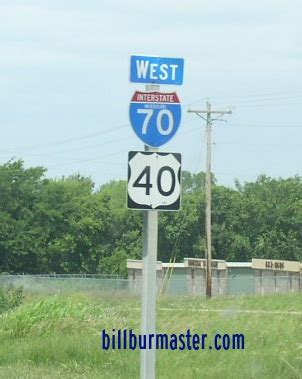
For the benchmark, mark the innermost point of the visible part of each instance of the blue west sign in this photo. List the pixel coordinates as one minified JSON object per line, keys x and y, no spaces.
{"x":156,"y":70}
{"x":155,"y":116}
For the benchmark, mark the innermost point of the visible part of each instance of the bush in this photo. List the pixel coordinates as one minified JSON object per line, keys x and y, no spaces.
{"x":10,"y":298}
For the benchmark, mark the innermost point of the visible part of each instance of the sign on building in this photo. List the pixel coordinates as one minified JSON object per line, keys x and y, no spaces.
{"x":275,"y":265}
{"x":202,"y":263}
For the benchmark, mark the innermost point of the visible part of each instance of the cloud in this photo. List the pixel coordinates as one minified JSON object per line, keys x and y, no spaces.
{"x":250,"y":35}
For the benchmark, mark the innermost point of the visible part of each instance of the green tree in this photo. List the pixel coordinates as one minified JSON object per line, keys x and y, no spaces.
{"x":19,"y":238}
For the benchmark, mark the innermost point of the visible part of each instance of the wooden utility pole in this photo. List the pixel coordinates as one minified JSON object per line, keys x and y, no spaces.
{"x":208,"y":191}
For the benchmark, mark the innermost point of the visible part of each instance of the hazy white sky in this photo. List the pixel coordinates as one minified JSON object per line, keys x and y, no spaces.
{"x":65,"y":90}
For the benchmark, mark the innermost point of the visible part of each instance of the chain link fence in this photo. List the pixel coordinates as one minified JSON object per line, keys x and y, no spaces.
{"x":176,"y":286}
{"x":66,"y":283}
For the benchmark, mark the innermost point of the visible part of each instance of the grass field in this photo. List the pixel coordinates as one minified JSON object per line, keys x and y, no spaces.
{"x":59,"y":337}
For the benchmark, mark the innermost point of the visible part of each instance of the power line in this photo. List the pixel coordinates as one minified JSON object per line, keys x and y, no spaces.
{"x":250,"y":126}
{"x":77,"y":149}
{"x":263,"y":104}
{"x":256,"y":145}
{"x":251,"y":97}
{"x":81,"y":148}
{"x":68,"y":140}
{"x":258,"y":98}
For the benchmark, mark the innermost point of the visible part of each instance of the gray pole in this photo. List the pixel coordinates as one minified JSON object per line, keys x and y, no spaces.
{"x":149,"y":291}
{"x":208,"y":206}
{"x":208,"y":192}
{"x":149,"y":286}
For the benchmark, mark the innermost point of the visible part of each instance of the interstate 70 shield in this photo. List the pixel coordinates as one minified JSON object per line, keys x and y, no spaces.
{"x":154,"y":180}
{"x":155,"y":116}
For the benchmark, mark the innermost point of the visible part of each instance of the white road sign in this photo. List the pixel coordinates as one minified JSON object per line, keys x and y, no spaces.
{"x":154,"y":180}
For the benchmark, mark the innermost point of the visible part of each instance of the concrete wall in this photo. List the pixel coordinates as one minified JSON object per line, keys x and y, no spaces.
{"x":268,"y":281}
{"x":183,"y":281}
{"x":135,"y":279}
{"x":191,"y":281}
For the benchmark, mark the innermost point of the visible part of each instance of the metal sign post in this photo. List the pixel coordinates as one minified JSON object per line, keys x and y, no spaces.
{"x":153,"y":185}
{"x":155,"y":119}
{"x":149,"y":290}
{"x":149,"y":285}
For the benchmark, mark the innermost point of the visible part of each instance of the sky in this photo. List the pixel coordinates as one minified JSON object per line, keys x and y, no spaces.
{"x":65,"y":89}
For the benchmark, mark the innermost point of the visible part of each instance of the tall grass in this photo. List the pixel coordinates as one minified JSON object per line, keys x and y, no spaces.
{"x":10,"y":297}
{"x":59,"y":337}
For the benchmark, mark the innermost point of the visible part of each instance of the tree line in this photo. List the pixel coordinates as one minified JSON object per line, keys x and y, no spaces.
{"x":67,"y":226}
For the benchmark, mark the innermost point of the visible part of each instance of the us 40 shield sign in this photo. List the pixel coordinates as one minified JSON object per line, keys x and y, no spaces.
{"x":155,"y":116}
{"x":154,"y":180}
